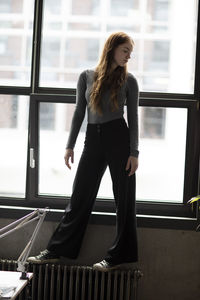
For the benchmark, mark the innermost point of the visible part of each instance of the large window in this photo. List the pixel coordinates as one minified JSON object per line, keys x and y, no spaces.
{"x":45,"y":45}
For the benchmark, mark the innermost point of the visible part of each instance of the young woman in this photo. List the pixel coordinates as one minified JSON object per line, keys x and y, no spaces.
{"x":109,"y":142}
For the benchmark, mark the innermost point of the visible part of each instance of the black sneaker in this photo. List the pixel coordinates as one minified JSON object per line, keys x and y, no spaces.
{"x":105,"y":266}
{"x":44,"y":257}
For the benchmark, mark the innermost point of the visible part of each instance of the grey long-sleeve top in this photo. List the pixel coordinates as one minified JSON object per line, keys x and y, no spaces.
{"x":128,"y":94}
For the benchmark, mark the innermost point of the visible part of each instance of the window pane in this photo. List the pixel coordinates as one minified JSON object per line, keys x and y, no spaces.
{"x":74,"y":34}
{"x":162,"y":153}
{"x":16,"y":23}
{"x":14,"y":139}
{"x":159,"y":9}
{"x":55,"y":121}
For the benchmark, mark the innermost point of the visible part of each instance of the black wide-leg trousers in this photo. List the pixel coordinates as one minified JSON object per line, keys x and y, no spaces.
{"x":106,"y":144}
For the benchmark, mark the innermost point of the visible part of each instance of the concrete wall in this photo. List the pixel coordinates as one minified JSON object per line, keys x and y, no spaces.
{"x":169,"y":259}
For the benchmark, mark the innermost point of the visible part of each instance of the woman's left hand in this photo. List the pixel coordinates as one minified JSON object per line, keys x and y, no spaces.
{"x":132,"y":165}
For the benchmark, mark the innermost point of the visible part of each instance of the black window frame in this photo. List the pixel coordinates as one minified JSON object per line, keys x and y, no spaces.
{"x":149,"y":213}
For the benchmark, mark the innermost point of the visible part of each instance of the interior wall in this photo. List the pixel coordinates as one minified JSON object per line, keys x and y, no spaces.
{"x":169,"y":259}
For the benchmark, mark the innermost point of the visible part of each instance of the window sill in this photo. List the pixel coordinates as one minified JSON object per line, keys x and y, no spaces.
{"x":102,"y":218}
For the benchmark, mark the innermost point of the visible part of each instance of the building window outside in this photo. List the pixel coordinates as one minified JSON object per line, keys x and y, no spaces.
{"x":152,"y":122}
{"x":159,"y":9}
{"x":123,"y":8}
{"x":79,"y":7}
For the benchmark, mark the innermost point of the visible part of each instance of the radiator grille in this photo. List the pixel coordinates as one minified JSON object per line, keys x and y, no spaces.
{"x":62,"y":282}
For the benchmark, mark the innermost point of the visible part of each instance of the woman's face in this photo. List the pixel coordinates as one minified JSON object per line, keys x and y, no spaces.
{"x":122,"y":54}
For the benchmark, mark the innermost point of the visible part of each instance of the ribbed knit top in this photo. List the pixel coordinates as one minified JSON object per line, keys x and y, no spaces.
{"x":128,"y":94}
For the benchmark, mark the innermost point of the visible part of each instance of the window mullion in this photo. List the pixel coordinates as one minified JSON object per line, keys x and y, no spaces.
{"x":36,"y":45}
{"x":32,"y":170}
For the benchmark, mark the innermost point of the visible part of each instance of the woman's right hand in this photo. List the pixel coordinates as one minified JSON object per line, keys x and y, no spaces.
{"x":69,"y":155}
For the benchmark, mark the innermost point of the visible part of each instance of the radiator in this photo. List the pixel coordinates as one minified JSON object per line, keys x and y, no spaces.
{"x":62,"y":282}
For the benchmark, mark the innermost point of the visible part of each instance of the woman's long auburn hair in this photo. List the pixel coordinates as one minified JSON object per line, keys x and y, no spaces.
{"x":104,"y":78}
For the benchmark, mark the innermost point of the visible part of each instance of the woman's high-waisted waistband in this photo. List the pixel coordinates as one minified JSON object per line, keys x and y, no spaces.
{"x":113,"y":124}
